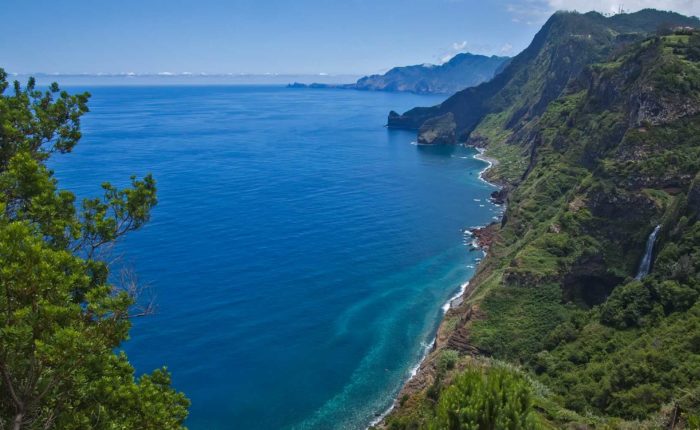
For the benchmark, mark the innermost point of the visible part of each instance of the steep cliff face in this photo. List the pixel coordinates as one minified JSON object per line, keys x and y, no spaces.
{"x":566,"y":44}
{"x":438,"y":130}
{"x":613,"y":155}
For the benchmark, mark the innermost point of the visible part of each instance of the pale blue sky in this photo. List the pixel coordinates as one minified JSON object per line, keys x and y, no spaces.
{"x":271,"y":36}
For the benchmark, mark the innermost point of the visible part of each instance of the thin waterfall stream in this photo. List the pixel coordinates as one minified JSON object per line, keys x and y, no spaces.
{"x":645,"y":264}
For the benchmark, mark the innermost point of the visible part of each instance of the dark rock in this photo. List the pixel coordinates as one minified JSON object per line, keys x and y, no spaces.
{"x":499,"y":197}
{"x":439,"y":130}
{"x":588,"y":282}
{"x":485,"y":236}
{"x":694,"y":197}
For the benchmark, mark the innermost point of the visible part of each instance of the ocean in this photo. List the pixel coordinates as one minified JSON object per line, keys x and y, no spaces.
{"x":300,"y":254}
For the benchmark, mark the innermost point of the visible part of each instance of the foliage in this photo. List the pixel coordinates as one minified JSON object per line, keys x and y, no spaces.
{"x":483,"y":396}
{"x":61,"y":318}
{"x":519,"y":317}
{"x":482,"y":399}
{"x":583,"y":231}
{"x":447,"y":361}
{"x":610,"y":157}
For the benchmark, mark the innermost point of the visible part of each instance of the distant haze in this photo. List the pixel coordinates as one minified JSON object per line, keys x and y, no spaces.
{"x":181,"y":79}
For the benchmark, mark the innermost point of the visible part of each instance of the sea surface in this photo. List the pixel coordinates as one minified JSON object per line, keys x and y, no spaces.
{"x":300,"y":254}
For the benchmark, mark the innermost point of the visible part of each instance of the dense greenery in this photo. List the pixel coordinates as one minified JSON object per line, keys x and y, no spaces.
{"x":493,"y":398}
{"x":585,"y":228}
{"x":615,"y":153}
{"x":61,"y":318}
{"x":477,"y":397}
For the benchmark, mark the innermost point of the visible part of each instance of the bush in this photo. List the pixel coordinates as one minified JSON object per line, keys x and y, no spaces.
{"x":627,"y":305}
{"x":482,"y":399}
{"x":448,"y":359}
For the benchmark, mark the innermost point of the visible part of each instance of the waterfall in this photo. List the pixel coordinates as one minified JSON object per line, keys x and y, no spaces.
{"x":646,"y":261}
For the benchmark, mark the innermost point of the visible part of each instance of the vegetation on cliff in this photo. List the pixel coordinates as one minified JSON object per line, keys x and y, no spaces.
{"x":61,"y":318}
{"x":485,"y":398}
{"x":597,"y":154}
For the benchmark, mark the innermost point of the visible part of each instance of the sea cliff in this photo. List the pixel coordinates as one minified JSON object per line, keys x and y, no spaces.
{"x":596,"y":134}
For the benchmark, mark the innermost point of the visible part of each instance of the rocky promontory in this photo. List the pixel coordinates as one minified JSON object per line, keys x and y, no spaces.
{"x":438,"y":131}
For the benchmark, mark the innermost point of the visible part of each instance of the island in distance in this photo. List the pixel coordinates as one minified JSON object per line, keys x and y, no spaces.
{"x":462,"y":71}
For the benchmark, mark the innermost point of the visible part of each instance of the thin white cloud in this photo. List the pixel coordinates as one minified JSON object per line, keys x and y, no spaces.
{"x":686,"y":7}
{"x":506,"y":49}
{"x":456,"y":48}
{"x":535,"y":12}
{"x":530,"y":12}
{"x":459,"y":46}
{"x":474,"y":48}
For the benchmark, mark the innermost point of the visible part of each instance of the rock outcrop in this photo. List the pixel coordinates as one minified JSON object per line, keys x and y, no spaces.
{"x":438,"y":131}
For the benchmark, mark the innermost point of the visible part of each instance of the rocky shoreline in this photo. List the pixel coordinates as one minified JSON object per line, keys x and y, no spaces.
{"x":424,"y":374}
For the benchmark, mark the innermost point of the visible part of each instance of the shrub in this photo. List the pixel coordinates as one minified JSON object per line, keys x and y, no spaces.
{"x":448,"y":359}
{"x":481,"y":399}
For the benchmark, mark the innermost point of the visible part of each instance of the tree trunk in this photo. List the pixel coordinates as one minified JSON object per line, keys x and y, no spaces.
{"x":18,"y":421}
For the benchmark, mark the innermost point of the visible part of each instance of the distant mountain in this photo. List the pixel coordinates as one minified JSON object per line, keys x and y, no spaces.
{"x":462,"y":71}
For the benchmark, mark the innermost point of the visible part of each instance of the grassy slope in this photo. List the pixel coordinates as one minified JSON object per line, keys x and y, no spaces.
{"x":557,"y":294}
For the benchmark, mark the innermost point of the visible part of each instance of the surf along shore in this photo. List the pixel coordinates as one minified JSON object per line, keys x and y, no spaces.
{"x":457,"y":311}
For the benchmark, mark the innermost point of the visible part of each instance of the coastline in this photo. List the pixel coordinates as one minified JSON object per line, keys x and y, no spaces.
{"x":453,"y":302}
{"x":492,"y":162}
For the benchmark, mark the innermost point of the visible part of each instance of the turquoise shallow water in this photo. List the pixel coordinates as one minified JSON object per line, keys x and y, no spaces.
{"x":300,"y":253}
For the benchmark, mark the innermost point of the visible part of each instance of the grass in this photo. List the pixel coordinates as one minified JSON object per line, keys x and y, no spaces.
{"x":512,"y":158}
{"x":516,"y":319}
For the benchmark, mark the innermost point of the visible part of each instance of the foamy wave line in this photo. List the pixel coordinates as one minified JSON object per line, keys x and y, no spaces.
{"x":462,"y":288}
{"x":481,"y":157}
{"x":412,"y":373}
{"x":427,"y":347}
{"x":446,"y":307}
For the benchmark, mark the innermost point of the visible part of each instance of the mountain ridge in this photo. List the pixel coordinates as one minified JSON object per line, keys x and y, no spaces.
{"x":592,"y":169}
{"x":461,"y":71}
{"x":567,"y":42}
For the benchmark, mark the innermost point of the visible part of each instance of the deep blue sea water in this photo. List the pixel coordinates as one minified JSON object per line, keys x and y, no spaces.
{"x":300,"y":252}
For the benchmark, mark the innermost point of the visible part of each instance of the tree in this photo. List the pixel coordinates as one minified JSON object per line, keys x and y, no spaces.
{"x":61,"y":319}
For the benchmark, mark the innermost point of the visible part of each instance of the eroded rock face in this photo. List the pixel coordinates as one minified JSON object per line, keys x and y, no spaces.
{"x":618,"y":205}
{"x":485,"y":236}
{"x":589,"y":282}
{"x":654,"y":109}
{"x":438,"y":131}
{"x":499,"y":197}
{"x":694,"y":196}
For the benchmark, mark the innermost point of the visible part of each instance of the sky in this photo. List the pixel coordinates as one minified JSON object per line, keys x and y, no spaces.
{"x":273,"y":36}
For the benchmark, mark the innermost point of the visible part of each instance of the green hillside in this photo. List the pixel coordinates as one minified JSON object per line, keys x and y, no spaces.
{"x":599,"y":138}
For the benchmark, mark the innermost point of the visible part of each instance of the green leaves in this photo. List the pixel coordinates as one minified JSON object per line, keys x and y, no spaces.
{"x":60,"y":318}
{"x":38,"y":122}
{"x":484,"y":399}
{"x":116,"y":213}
